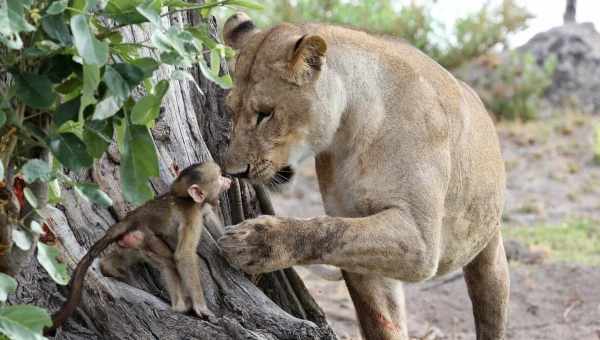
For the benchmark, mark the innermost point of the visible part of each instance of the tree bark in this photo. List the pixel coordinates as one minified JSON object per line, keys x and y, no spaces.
{"x":192,"y":126}
{"x":570,"y":11}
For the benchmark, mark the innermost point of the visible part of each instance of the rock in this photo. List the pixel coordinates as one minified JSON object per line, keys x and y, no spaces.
{"x":577,"y":77}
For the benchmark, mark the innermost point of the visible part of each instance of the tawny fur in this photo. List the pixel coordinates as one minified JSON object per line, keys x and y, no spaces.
{"x":407,"y":158}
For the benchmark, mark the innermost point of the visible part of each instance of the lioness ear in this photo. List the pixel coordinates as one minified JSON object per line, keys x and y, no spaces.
{"x":196,"y":193}
{"x":238,"y":29}
{"x":308,"y":57}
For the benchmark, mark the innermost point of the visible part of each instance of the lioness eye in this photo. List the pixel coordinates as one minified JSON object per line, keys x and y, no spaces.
{"x":260,"y":116}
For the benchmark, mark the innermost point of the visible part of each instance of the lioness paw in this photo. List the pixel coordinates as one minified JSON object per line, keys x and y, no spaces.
{"x":254,"y":245}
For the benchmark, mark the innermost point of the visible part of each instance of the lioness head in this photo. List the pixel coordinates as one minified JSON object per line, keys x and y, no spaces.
{"x":279,"y":109}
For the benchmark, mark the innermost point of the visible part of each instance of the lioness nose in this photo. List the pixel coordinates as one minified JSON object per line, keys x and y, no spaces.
{"x":239,"y":173}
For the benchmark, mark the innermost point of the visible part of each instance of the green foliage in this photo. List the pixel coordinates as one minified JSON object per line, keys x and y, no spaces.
{"x":7,"y":286}
{"x":92,"y":192}
{"x":21,"y":238}
{"x":478,"y":33}
{"x":73,"y":85}
{"x":36,"y":169}
{"x":596,"y":144}
{"x":23,"y":322}
{"x":471,"y":36}
{"x":571,"y":241}
{"x":68,"y":65}
{"x":513,"y":90}
{"x":48,"y":257}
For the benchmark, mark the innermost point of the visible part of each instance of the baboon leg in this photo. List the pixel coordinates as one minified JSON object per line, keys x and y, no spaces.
{"x":116,"y":264}
{"x":161,"y":257}
{"x":488,"y":282}
{"x":379,"y":304}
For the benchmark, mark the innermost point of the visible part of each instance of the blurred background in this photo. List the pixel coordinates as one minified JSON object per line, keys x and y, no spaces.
{"x":536,"y":65}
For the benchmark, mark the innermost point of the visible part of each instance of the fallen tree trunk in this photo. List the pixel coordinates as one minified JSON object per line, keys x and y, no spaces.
{"x":271,"y":306}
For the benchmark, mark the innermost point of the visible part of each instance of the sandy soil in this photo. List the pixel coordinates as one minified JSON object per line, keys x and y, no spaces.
{"x":551,"y":177}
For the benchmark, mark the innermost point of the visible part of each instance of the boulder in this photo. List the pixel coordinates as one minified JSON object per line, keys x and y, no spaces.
{"x":576,"y":81}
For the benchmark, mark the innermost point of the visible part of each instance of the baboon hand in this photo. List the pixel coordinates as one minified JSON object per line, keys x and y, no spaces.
{"x":259,"y":245}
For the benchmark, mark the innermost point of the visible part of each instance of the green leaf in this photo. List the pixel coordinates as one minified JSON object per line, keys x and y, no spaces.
{"x":54,"y":192}
{"x":34,"y":226}
{"x":97,"y":135}
{"x":184,"y":75}
{"x":23,"y":322}
{"x":161,"y":88}
{"x":147,"y":109}
{"x":147,"y":65}
{"x":14,"y":330}
{"x":215,"y":62}
{"x":173,"y":41}
{"x":91,"y":50}
{"x":56,"y":28}
{"x":131,"y":73}
{"x":34,"y":90}
{"x":22,"y":238}
{"x":91,"y":80}
{"x":151,"y":11}
{"x":13,"y":21}
{"x":179,"y":4}
{"x":7,"y":286}
{"x":31,"y":317}
{"x":124,"y":11}
{"x":246,"y":4}
{"x":84,"y":5}
{"x":30,"y":198}
{"x":67,"y":111}
{"x":48,"y":258}
{"x":70,"y":151}
{"x":73,"y":127}
{"x":71,"y":88}
{"x":36,"y":169}
{"x":224,"y":81}
{"x":2,"y":118}
{"x":116,"y":84}
{"x":106,"y":108}
{"x":57,"y":7}
{"x":59,"y":67}
{"x":139,"y":162}
{"x":92,"y":192}
{"x":201,"y":33}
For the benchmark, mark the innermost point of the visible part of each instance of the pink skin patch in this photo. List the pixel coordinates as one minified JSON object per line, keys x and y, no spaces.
{"x":133,"y":239}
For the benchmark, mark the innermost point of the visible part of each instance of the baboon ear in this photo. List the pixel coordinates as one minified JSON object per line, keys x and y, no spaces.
{"x":196,"y":193}
{"x":238,"y":29}
{"x":308,"y":57}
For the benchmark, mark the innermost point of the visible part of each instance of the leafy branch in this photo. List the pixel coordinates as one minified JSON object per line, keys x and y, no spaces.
{"x":72,"y":87}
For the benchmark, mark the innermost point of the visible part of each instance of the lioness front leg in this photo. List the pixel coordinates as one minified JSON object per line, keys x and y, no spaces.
{"x":387,"y":243}
{"x":379,"y":304}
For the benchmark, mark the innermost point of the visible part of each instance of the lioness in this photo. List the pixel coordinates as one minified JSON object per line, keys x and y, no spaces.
{"x":408,"y":162}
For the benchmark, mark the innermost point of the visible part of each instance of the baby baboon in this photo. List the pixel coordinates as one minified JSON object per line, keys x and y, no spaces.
{"x":177,"y":218}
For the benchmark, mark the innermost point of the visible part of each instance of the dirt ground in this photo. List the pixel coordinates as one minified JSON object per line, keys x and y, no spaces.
{"x":552,"y":177}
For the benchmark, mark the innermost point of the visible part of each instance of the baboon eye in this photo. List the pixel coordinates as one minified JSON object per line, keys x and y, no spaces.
{"x":260,"y":116}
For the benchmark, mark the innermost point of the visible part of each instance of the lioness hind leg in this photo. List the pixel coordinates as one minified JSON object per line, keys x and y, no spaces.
{"x":379,"y":304}
{"x":488,"y":282}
